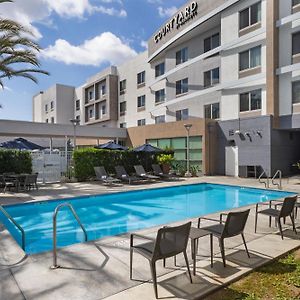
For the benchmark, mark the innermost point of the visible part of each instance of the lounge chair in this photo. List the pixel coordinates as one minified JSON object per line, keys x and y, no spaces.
{"x":159,"y":172}
{"x":169,"y":242}
{"x":140,"y":171}
{"x":123,"y":175}
{"x":233,"y":226}
{"x":102,"y":176}
{"x":287,"y":210}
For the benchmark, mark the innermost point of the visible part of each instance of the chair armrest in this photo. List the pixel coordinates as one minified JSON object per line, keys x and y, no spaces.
{"x":133,"y":235}
{"x":208,"y":219}
{"x":223,"y":215}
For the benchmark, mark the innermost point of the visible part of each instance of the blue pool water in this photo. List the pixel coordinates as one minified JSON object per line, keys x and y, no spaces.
{"x":116,"y":213}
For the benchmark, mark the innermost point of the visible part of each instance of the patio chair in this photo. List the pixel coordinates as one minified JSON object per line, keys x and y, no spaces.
{"x":286,"y":210}
{"x":123,"y":175}
{"x":102,"y":176}
{"x":169,"y":242}
{"x":30,"y":182}
{"x":158,"y":172}
{"x":7,"y":183}
{"x":140,"y":171}
{"x":234,"y":225}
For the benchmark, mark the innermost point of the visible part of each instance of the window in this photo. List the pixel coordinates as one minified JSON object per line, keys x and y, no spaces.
{"x":160,"y":69}
{"x":91,"y":113}
{"x":182,"y":114}
{"x":141,"y":77}
{"x":141,"y":101}
{"x":296,"y":2}
{"x":52,"y":105}
{"x":212,"y":42}
{"x":141,"y":122}
{"x":211,"y":77}
{"x":47,"y":121}
{"x":181,"y":56}
{"x":103,"y":109}
{"x":212,"y":111}
{"x":52,"y":120}
{"x":91,"y":95}
{"x":160,"y":119}
{"x":77,"y":104}
{"x":250,"y":101}
{"x":296,"y":43}
{"x":123,"y":107}
{"x":250,"y":15}
{"x":46,"y":108}
{"x":250,"y":58}
{"x":296,"y":92}
{"x":123,"y":125}
{"x":103,"y":89}
{"x":182,"y":86}
{"x":78,"y":118}
{"x":160,"y":96}
{"x":122,"y":86}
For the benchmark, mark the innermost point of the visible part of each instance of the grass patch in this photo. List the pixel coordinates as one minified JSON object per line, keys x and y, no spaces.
{"x":278,"y":280}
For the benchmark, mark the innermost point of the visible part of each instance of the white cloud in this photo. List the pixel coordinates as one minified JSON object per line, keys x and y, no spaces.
{"x":103,"y":48}
{"x":167,"y":12}
{"x":144,"y":44}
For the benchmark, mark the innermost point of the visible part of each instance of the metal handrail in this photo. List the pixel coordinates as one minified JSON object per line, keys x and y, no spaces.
{"x":55,"y":266}
{"x":278,"y":172}
{"x":16,"y":224}
{"x":266,"y":183}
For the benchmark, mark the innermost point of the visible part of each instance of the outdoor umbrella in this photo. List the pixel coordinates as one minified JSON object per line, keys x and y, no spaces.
{"x":149,"y":150}
{"x":21,"y":144}
{"x":111,"y":146}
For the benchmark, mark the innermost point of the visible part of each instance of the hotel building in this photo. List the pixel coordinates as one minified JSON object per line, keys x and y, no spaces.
{"x":231,"y":68}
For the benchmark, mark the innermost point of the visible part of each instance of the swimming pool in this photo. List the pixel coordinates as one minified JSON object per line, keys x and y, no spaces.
{"x":116,"y":213}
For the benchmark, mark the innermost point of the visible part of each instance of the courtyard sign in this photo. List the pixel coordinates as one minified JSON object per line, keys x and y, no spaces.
{"x":178,"y":20}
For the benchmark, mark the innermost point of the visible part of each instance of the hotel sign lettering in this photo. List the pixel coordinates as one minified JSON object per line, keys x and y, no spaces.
{"x":178,"y":20}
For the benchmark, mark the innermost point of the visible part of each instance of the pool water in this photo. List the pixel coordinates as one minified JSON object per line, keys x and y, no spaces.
{"x":116,"y":213}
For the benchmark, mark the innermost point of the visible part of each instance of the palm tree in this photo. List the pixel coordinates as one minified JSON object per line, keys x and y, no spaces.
{"x":17,"y":49}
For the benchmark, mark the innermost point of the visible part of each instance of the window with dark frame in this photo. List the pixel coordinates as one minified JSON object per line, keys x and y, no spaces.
{"x":141,"y":122}
{"x":91,"y":113}
{"x":77,"y":104}
{"x":122,"y":85}
{"x":296,"y":43}
{"x":103,"y":109}
{"x":46,"y":108}
{"x":47,"y":121}
{"x":250,"y":58}
{"x":52,"y":105}
{"x":141,"y":77}
{"x":182,"y":86}
{"x":182,"y":114}
{"x":160,"y":119}
{"x":250,"y":101}
{"x":212,"y":42}
{"x":181,"y":56}
{"x":91,"y":95}
{"x":160,"y":96}
{"x":123,"y":107}
{"x":123,"y":125}
{"x":103,"y":89}
{"x":296,"y":92}
{"x":250,"y":16}
{"x":211,"y":77}
{"x":160,"y":69}
{"x":212,"y":111}
{"x":141,"y":101}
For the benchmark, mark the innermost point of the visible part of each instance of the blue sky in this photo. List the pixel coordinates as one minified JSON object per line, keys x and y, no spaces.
{"x":79,"y":38}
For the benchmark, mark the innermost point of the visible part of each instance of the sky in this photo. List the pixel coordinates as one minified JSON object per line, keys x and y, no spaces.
{"x":79,"y":38}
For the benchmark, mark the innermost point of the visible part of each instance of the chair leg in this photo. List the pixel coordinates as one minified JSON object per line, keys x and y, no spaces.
{"x":221,"y":242}
{"x":187,"y":265}
{"x":130,"y":263}
{"x":280,"y":228}
{"x":293,"y":222}
{"x":154,"y":279}
{"x":244,"y":241}
{"x":164,"y":262}
{"x":211,"y":250}
{"x":255,"y":223}
{"x":175,"y":261}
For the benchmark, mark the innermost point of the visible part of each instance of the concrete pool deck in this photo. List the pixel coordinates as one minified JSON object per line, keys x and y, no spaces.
{"x":100,"y":269}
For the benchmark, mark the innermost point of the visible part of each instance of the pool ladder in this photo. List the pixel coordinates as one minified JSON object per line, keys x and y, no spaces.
{"x":55,"y":265}
{"x":267,"y":181}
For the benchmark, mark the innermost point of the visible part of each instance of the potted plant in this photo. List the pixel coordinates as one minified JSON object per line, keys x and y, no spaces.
{"x":165,"y":161}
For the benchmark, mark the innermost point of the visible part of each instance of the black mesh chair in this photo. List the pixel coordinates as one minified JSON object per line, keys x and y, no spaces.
{"x":169,"y":242}
{"x":234,"y":225}
{"x":286,"y":210}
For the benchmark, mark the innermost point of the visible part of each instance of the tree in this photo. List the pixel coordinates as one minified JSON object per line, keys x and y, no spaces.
{"x":18,"y":51}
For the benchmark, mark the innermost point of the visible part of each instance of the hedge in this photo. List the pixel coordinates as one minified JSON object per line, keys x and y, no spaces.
{"x":15,"y":161}
{"x":86,"y":159}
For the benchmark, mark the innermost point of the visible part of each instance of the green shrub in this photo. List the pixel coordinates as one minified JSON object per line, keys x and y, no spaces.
{"x":15,"y":161}
{"x":86,"y":159}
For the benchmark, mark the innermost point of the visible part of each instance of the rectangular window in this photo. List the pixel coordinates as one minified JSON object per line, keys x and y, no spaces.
{"x":250,"y":15}
{"x":250,"y":58}
{"x":103,"y":109}
{"x":160,"y":69}
{"x":211,"y":77}
{"x":181,"y":56}
{"x":77,"y":118}
{"x":141,"y":101}
{"x":141,"y":122}
{"x":77,"y":104}
{"x":103,"y":89}
{"x":212,"y":111}
{"x":182,"y":114}
{"x":52,"y":120}
{"x":296,"y":92}
{"x":123,"y":125}
{"x":123,"y":107}
{"x":250,"y":101}
{"x":123,"y":86}
{"x":160,"y":96}
{"x":47,"y":121}
{"x":141,"y":77}
{"x":212,"y":42}
{"x":182,"y":86}
{"x":160,"y":119}
{"x":46,"y":108}
{"x":52,"y":105}
{"x":296,"y":43}
{"x":90,"y":95}
{"x":91,"y":113}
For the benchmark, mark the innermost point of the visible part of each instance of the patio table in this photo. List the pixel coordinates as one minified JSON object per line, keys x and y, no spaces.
{"x":18,"y":178}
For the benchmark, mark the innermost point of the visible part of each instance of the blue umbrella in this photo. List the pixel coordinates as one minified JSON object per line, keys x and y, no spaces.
{"x":111,"y":146}
{"x":147,"y":148}
{"x":21,"y":144}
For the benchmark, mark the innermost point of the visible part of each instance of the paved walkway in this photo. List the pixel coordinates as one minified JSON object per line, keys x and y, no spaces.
{"x":100,"y":269}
